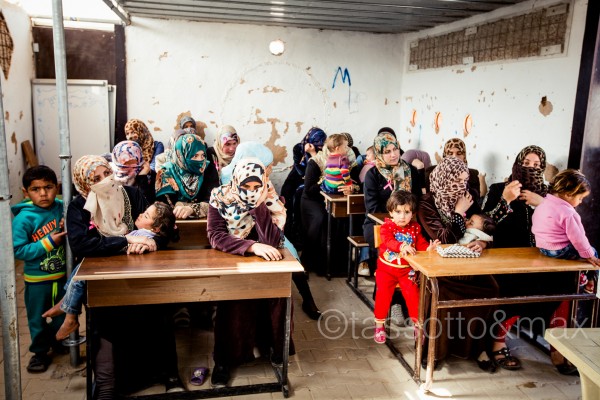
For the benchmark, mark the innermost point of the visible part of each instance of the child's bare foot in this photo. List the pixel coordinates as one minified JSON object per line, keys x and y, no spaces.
{"x":69,"y":326}
{"x":54,"y":311}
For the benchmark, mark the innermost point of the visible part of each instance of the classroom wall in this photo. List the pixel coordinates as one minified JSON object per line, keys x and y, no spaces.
{"x":503,"y":99}
{"x":224,"y":74}
{"x":16,"y":91}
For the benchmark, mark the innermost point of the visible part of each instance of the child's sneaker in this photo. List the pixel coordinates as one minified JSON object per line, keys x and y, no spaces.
{"x":379,"y":335}
{"x":363,"y":269}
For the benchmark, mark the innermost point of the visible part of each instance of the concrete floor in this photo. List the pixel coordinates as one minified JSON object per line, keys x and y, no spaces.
{"x":336,"y":359}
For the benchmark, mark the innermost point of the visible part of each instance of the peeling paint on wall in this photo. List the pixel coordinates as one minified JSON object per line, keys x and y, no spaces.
{"x":385,"y":102}
{"x":258,"y":119}
{"x":272,"y":89}
{"x":334,"y":104}
{"x":279,"y":152}
{"x":545,"y":106}
{"x":6,"y":115}
{"x":13,"y":140}
{"x":201,"y":129}
{"x":299,"y":126}
{"x":460,"y":71}
{"x":163,"y":55}
{"x":20,"y":115}
{"x":473,"y":68}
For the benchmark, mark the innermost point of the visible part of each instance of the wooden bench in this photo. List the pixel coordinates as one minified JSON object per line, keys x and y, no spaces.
{"x":581,"y":346}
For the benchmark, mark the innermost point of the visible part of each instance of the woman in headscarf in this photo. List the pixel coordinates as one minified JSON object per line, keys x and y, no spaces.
{"x":442,"y":213}
{"x":420,"y":160}
{"x":187,"y":122}
{"x":126,"y":162}
{"x":313,"y":213}
{"x":390,"y":174}
{"x":223,"y":150}
{"x":455,"y":147}
{"x":186,"y":179}
{"x":293,"y":185}
{"x":265,"y":155}
{"x":351,"y":144}
{"x":136,"y":130}
{"x":512,"y":205}
{"x":98,"y":221}
{"x":246,"y":217}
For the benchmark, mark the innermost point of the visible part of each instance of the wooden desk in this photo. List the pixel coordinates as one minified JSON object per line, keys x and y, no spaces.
{"x":192,"y":235}
{"x":378,"y":218}
{"x":174,"y":276}
{"x":336,"y":206}
{"x":581,"y":346}
{"x":492,"y":261}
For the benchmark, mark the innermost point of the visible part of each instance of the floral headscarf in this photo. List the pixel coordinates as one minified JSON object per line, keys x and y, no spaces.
{"x":122,"y":153}
{"x":234,"y":203}
{"x":181,"y":175}
{"x":456,"y":143}
{"x":446,"y":191}
{"x":398,"y":176}
{"x":530,"y":178}
{"x":136,"y":130}
{"x":224,"y":135}
{"x":105,"y":200}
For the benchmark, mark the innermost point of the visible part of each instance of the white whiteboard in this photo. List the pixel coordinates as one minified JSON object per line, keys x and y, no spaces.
{"x":91,"y":119}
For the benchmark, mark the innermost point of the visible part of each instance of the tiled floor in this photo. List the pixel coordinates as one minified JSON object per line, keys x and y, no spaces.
{"x":336,"y":358}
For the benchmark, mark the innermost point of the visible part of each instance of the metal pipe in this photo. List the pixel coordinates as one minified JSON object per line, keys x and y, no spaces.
{"x":122,"y":14}
{"x":8,"y":303}
{"x":60,"y":66}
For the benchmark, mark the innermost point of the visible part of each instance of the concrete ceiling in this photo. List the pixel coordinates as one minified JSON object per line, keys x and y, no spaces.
{"x":378,"y":16}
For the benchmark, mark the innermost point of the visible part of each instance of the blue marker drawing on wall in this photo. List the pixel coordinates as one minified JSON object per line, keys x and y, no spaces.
{"x":345,"y":76}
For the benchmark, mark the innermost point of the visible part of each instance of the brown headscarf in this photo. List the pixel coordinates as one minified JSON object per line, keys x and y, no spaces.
{"x":530,"y":178}
{"x":136,"y":130}
{"x":446,"y":191}
{"x":456,"y":143}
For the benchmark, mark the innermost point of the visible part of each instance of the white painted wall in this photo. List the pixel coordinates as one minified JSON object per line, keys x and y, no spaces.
{"x":502,"y":97}
{"x":16,"y":99}
{"x":224,"y":74}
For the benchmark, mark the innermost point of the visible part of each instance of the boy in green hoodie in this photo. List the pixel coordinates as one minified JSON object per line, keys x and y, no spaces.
{"x":38,"y":238}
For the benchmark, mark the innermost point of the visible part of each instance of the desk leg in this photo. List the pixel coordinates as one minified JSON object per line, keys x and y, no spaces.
{"x":420,"y":327}
{"x":285,"y":388}
{"x":88,"y":354}
{"x":329,"y":221}
{"x":589,"y":389}
{"x":433,"y":320}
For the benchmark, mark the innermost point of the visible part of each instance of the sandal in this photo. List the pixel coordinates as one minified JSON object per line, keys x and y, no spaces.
{"x":38,"y":363}
{"x":198,"y":376}
{"x":507,"y":361}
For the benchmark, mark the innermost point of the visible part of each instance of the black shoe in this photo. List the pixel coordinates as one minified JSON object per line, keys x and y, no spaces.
{"x":173,"y":384}
{"x":436,"y":363}
{"x":567,"y":368}
{"x":220,"y":376}
{"x":311,"y":310}
{"x":38,"y":363}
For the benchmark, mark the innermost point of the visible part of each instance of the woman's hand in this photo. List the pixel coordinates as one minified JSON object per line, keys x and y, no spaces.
{"x":145,"y":169}
{"x":433,"y":244}
{"x":511,"y":191}
{"x":136,"y":248}
{"x":181,"y":211}
{"x":531,"y":198}
{"x":463,"y":204}
{"x":150,"y":244}
{"x":265,"y":251}
{"x":477,"y":245}
{"x":346,"y":189}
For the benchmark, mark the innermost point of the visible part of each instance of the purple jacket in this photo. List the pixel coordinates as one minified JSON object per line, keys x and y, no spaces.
{"x":264,"y":231}
{"x":556,"y":224}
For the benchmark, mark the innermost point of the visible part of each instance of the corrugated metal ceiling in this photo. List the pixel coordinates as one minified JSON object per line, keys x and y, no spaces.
{"x":381,"y":16}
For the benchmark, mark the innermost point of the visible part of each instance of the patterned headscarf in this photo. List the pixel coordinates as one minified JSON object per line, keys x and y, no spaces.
{"x":181,"y":175}
{"x":315,"y":136}
{"x":122,"y":153}
{"x":349,"y":137}
{"x":104,"y":200}
{"x":446,"y":191}
{"x":136,"y":130}
{"x":234,"y":203}
{"x":398,"y":176}
{"x":224,"y":135}
{"x":456,"y":143}
{"x":83,"y":172}
{"x":530,"y":178}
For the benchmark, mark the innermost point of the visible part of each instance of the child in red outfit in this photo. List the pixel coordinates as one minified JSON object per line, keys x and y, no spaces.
{"x":400,"y":235}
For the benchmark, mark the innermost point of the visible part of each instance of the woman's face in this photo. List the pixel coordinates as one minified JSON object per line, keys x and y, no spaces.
{"x":100,"y":173}
{"x":251,"y":186}
{"x":199,"y":156}
{"x":391,"y":154}
{"x":532,"y":160}
{"x":130,"y":163}
{"x":229,"y":147}
{"x":456,"y":152}
{"x":462,"y":178}
{"x":188,"y":124}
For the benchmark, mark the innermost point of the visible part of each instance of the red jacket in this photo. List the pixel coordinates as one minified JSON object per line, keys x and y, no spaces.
{"x":389,"y":249}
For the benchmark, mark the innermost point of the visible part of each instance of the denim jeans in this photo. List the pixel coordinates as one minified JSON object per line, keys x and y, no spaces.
{"x":73,"y":299}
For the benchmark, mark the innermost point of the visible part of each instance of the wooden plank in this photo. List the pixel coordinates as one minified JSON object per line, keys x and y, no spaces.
{"x":30,"y":157}
{"x":338,"y":204}
{"x":192,"y":234}
{"x":378,"y":218}
{"x":108,"y":293}
{"x":493,"y":261}
{"x":356,"y":204}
